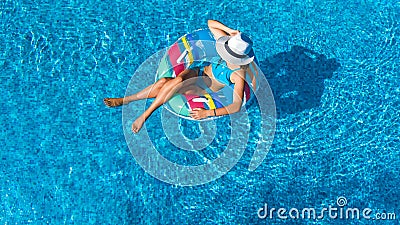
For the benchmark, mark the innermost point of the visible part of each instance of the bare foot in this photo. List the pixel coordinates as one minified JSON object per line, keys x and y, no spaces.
{"x":113,"y":102}
{"x":137,"y":125}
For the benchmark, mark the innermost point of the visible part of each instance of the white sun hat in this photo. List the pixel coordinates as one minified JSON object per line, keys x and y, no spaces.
{"x":237,"y":49}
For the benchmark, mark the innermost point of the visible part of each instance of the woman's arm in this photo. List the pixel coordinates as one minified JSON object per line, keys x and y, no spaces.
{"x":238,"y":94}
{"x":218,"y":29}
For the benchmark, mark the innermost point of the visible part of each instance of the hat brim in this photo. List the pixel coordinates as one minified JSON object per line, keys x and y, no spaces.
{"x":221,"y":50}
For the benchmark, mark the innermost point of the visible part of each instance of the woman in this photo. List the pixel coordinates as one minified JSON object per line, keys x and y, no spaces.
{"x":235,"y":50}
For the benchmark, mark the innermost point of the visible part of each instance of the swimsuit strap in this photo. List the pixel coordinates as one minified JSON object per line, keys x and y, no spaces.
{"x":236,"y":69}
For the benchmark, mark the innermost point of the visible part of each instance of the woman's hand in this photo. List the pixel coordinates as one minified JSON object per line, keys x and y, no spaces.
{"x":218,"y":29}
{"x":199,"y":113}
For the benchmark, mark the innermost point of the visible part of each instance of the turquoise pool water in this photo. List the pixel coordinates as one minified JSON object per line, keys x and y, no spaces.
{"x":64,"y":157}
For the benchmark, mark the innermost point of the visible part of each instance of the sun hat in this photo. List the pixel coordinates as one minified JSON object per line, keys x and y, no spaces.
{"x":236,"y":49}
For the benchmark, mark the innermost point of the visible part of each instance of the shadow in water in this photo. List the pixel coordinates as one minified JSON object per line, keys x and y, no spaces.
{"x":297,"y":78}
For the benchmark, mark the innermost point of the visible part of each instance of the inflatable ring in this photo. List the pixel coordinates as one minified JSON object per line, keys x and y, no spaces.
{"x":194,"y":50}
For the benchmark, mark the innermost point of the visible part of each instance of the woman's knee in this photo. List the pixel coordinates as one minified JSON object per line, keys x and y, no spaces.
{"x":172,"y":82}
{"x":161,"y":82}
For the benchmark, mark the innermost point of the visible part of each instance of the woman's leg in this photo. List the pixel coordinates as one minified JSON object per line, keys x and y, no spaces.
{"x":166,"y":92}
{"x":150,"y":91}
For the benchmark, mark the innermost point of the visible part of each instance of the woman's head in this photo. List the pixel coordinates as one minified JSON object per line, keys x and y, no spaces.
{"x":236,"y":49}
